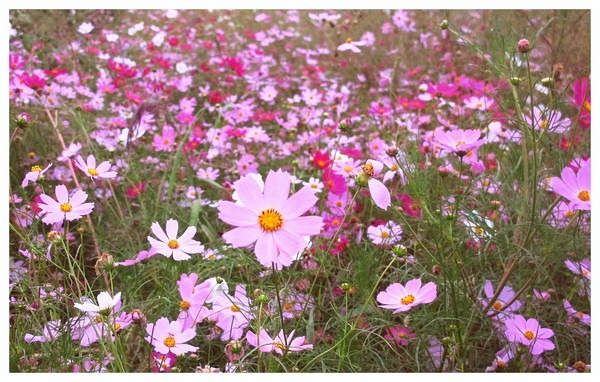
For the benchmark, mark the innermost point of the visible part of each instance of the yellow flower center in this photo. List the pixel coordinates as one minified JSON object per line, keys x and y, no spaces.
{"x":348,"y":40}
{"x":478,"y":231}
{"x":529,"y":335}
{"x":368,"y":169}
{"x":169,"y":342}
{"x":460,"y":143}
{"x":279,"y":345}
{"x":185,"y":305}
{"x":587,"y":106}
{"x":270,"y":220}
{"x":407,"y":300}
{"x":36,"y":169}
{"x":116,"y":327}
{"x":66,"y":207}
{"x":166,"y":141}
{"x":173,"y":244}
{"x":92,"y":171}
{"x":347,"y":168}
{"x":544,"y":124}
{"x":497,"y":305}
{"x":479,"y":105}
{"x":394,"y":167}
{"x":234,"y":308}
{"x":584,"y":196}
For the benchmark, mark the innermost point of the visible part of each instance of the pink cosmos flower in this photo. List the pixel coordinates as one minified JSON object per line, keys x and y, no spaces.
{"x":106,"y":303}
{"x":35,"y":174}
{"x":402,"y":298}
{"x":270,"y":219}
{"x":65,"y":207}
{"x":460,"y":142}
{"x":499,"y":305}
{"x":166,"y":141}
{"x":193,"y":298}
{"x":92,"y":171}
{"x":388,"y":233}
{"x":168,"y":337}
{"x":169,"y":244}
{"x":52,"y":330}
{"x":576,"y":315}
{"x":280,"y":344}
{"x":574,"y":187}
{"x":351,"y":45}
{"x":379,"y":192}
{"x":529,"y":333}
{"x":399,"y":334}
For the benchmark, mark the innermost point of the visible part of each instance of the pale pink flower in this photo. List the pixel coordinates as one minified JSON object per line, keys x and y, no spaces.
{"x":36,"y":173}
{"x":351,"y":45}
{"x":388,"y":233}
{"x":106,"y":303}
{"x":280,"y":344}
{"x":65,"y":207}
{"x":378,"y":191}
{"x":402,"y":298}
{"x":270,"y":219}
{"x":575,"y":187}
{"x":90,"y":169}
{"x":169,"y":244}
{"x":168,"y":337}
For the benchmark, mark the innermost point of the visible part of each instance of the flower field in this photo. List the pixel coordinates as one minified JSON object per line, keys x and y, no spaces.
{"x":326,"y":191}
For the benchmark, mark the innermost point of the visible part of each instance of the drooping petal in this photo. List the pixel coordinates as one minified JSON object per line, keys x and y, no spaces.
{"x":380,"y":194}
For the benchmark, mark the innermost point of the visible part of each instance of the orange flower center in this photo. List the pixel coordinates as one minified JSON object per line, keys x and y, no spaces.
{"x":234,"y":308}
{"x":66,"y":207}
{"x":407,"y":300}
{"x":544,"y":124}
{"x":529,"y":335}
{"x":385,"y":234}
{"x":270,"y":220}
{"x":169,"y":342}
{"x":173,"y":244}
{"x":348,"y":40}
{"x":460,"y":143}
{"x":587,"y":106}
{"x":497,"y":305}
{"x":279,"y":345}
{"x":584,"y":196}
{"x":185,"y":305}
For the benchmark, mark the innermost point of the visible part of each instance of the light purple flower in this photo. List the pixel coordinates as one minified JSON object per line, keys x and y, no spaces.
{"x":64,"y":207}
{"x":279,"y":344}
{"x":574,"y":187}
{"x":90,"y":169}
{"x":529,"y":333}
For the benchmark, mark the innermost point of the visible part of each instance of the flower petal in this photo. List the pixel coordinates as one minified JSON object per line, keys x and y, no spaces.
{"x":236,"y":215}
{"x":277,"y":189}
{"x":172,"y":228}
{"x":242,"y":236}
{"x":298,"y":203}
{"x":380,"y":194}
{"x":158,"y":232}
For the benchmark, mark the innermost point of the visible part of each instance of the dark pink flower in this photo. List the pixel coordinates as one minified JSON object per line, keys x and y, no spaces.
{"x":401,"y":298}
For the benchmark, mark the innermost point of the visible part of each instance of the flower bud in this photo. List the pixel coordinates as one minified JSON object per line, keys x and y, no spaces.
{"x":547,"y":81}
{"x":399,"y":250}
{"x":523,"y":45}
{"x":444,"y":24}
{"x":138,"y":317}
{"x":391,"y":151}
{"x":104,"y":263}
{"x":516,"y":81}
{"x":22,"y":120}
{"x":362,"y":179}
{"x":345,"y":287}
{"x":345,"y":125}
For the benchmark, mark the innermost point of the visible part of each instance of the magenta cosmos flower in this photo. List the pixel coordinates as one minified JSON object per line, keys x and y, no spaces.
{"x":529,"y":333}
{"x":460,"y":142}
{"x":169,"y":244}
{"x":378,"y":191}
{"x":574,"y":187}
{"x":168,"y":337}
{"x":65,"y":207}
{"x":402,"y":298}
{"x":270,"y":219}
{"x":90,"y":169}
{"x":279,"y":344}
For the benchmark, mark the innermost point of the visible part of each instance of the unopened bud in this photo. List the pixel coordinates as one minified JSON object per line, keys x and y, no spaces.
{"x":104,"y":263}
{"x":345,"y":125}
{"x":23,"y":120}
{"x":523,"y":45}
{"x":399,"y":250}
{"x":362,"y":179}
{"x":436,"y":270}
{"x":516,"y":81}
{"x":391,"y":151}
{"x":444,"y":24}
{"x":547,"y":81}
{"x":138,"y":317}
{"x":345,"y":287}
